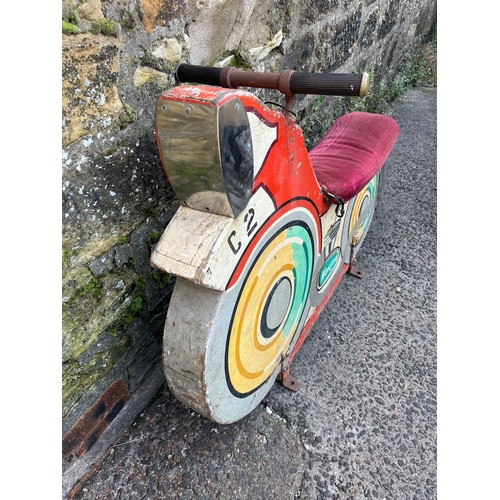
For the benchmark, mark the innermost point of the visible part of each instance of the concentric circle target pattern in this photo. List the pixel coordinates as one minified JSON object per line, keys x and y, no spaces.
{"x":269,"y":308}
{"x":364,"y":206}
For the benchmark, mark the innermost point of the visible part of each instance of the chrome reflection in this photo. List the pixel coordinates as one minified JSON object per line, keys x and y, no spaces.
{"x":236,"y":153}
{"x":207,"y":153}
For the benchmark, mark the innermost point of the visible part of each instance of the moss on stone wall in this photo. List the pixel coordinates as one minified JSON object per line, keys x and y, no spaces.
{"x":69,"y":28}
{"x":238,"y":61}
{"x":95,"y":313}
{"x":153,"y":237}
{"x":106,"y":302}
{"x":126,"y":20}
{"x":104,"y":27}
{"x":127,"y":317}
{"x":128,"y":116}
{"x":78,"y":377}
{"x":94,"y":305}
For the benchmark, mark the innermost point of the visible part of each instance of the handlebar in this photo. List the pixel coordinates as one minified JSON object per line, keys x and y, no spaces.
{"x":288,"y":82}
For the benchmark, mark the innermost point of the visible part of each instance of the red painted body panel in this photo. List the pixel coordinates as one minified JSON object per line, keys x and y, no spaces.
{"x":288,"y":156}
{"x":298,"y":203}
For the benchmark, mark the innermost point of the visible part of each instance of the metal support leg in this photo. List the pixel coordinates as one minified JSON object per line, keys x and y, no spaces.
{"x":353,"y":270}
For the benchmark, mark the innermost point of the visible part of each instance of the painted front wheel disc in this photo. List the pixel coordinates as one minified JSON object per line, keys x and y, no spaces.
{"x":222,"y":350}
{"x":269,"y":309}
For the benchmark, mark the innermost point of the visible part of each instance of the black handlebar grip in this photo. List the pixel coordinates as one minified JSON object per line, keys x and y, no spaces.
{"x":329,"y":84}
{"x":198,"y":74}
{"x":295,"y":83}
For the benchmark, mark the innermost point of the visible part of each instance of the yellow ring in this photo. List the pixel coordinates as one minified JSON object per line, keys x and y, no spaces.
{"x":244,"y":334}
{"x":355,"y":211}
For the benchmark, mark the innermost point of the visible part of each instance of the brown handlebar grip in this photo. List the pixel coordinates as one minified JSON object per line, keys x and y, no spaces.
{"x":329,"y":84}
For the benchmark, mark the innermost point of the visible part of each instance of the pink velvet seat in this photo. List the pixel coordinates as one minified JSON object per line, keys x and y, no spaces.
{"x":352,"y":152}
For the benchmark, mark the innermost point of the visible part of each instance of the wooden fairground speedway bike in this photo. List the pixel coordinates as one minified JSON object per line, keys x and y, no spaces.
{"x":265,"y":229}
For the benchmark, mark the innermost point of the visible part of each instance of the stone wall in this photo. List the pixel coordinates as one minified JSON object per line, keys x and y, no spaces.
{"x":118,"y":56}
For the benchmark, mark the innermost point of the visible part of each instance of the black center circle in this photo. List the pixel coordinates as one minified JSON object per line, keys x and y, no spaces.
{"x":275,"y":308}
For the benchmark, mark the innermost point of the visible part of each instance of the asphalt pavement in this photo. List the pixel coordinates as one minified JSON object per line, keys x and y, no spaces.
{"x":363,"y":424}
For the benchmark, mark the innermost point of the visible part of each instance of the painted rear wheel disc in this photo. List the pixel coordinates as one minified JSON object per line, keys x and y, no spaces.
{"x":359,"y":215}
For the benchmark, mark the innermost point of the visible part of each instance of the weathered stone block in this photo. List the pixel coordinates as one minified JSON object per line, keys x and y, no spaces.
{"x":390,"y":18}
{"x":74,"y":280}
{"x":311,"y":12}
{"x":211,"y":30}
{"x":144,"y":75}
{"x":298,"y":55}
{"x":69,"y":10}
{"x":168,"y":49}
{"x":266,"y":21}
{"x":91,"y":10}
{"x":81,"y":377}
{"x":123,"y":253}
{"x":103,"y":264}
{"x":337,"y":40}
{"x":368,"y":35}
{"x":90,"y":98}
{"x":110,"y":193}
{"x":346,"y":36}
{"x":92,"y":308}
{"x":161,"y":12}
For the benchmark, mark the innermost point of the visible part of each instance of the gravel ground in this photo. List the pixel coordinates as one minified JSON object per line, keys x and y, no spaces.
{"x":363,"y":424}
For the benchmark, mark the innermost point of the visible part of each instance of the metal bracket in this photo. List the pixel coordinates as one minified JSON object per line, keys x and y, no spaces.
{"x":355,"y":271}
{"x":289,"y":382}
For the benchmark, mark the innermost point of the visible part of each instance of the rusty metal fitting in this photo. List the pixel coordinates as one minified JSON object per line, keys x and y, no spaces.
{"x":225,"y":77}
{"x":284,"y":81}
